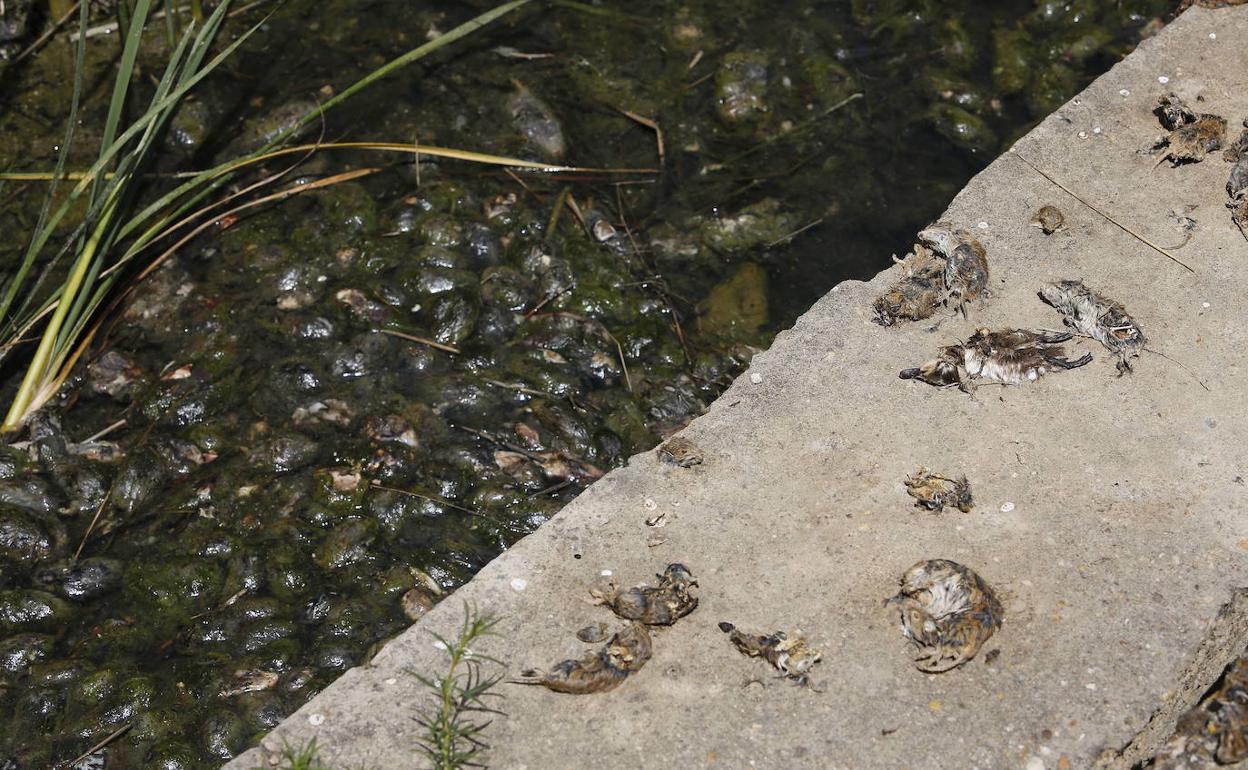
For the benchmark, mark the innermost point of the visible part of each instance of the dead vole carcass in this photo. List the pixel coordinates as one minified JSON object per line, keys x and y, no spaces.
{"x":1214,"y":732}
{"x":1049,"y":219}
{"x":1098,"y":317}
{"x":966,"y":263}
{"x":1009,"y":356}
{"x":947,"y":611}
{"x":660,"y":605}
{"x":919,"y":292}
{"x":788,"y":654}
{"x":680,"y":451}
{"x":1192,"y":136}
{"x":933,"y":491}
{"x":598,"y":671}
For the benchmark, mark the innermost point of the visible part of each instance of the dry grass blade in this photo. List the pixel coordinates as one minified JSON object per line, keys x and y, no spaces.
{"x":421,"y":340}
{"x":653,"y":126}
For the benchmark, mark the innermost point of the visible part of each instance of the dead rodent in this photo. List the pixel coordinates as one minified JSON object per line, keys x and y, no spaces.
{"x":660,"y":605}
{"x":1094,"y":315}
{"x":933,"y":491}
{"x":598,"y":671}
{"x":680,"y":451}
{"x":1049,"y":219}
{"x":1009,"y":356}
{"x":1192,"y":136}
{"x":947,"y":611}
{"x":966,"y":263}
{"x":947,"y":267}
{"x":788,"y":654}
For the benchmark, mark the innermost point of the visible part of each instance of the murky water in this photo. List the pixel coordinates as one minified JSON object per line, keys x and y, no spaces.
{"x":293,"y":481}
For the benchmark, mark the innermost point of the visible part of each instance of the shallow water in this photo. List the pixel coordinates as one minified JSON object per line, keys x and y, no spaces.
{"x":290,"y":480}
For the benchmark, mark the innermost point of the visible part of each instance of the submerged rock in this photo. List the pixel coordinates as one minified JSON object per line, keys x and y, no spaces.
{"x":736,"y":308}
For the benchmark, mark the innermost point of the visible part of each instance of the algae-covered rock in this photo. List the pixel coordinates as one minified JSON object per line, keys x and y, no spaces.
{"x":754,"y":226}
{"x":963,"y":128}
{"x":22,"y":536}
{"x":736,"y":308}
{"x":534,"y":120}
{"x":25,"y":611}
{"x":1012,"y":59}
{"x":173,"y":588}
{"x":741,"y":87}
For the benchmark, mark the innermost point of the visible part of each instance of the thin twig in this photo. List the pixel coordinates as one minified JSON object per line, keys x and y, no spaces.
{"x":91,"y":527}
{"x":795,"y":233}
{"x":46,"y":36}
{"x":519,"y":388}
{"x":443,"y":501}
{"x":421,"y":340}
{"x":102,"y":433}
{"x":1107,"y":217}
{"x":114,"y":736}
{"x":553,"y":488}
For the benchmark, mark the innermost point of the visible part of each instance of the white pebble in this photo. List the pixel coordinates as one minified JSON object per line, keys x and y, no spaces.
{"x":1204,"y":304}
{"x":649,"y":504}
{"x":392,"y":680}
{"x":1124,"y":92}
{"x":982,"y":225}
{"x":1083,"y":134}
{"x":1097,"y":130}
{"x":439,"y":645}
{"x":519,"y":584}
{"x":316,"y":720}
{"x":1163,"y":79}
{"x":1091,"y":685}
{"x":1213,"y":35}
{"x":606,"y":573}
{"x":755,"y":377}
{"x":1007,"y":506}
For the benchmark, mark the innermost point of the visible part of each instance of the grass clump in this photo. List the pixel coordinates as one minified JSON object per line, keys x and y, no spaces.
{"x":459,"y":713}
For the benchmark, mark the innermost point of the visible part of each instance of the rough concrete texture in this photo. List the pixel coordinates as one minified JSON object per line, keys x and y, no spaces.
{"x":1109,"y":509}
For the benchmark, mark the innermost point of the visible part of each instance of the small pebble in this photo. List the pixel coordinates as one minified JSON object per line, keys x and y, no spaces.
{"x":1124,"y":92}
{"x":649,"y":504}
{"x":392,"y":680}
{"x":1035,"y":763}
{"x":1083,"y":134}
{"x":982,"y":225}
{"x":1163,"y":79}
{"x":1213,"y":35}
{"x":439,"y":645}
{"x":1007,"y":506}
{"x":1204,"y":304}
{"x":316,"y":720}
{"x":519,"y":584}
{"x":755,"y":377}
{"x":1090,"y":685}
{"x":606,"y":573}
{"x":1097,"y":130}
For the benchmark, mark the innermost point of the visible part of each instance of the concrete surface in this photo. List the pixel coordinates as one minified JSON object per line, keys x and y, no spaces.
{"x":1124,"y":538}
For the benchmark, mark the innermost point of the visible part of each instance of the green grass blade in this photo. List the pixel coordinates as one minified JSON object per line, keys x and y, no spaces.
{"x":463,"y":30}
{"x":32,"y":251}
{"x":125,"y":72}
{"x":42,"y":235}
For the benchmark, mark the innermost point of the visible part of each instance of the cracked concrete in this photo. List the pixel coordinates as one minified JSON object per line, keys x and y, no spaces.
{"x":1109,"y":509}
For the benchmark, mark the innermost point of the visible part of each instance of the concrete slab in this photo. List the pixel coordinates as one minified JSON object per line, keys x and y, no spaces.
{"x":1108,"y":517}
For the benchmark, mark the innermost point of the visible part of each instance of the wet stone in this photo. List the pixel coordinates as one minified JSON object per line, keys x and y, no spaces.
{"x":22,"y":536}
{"x":20,"y":652}
{"x":84,"y":581}
{"x":24,"y":610}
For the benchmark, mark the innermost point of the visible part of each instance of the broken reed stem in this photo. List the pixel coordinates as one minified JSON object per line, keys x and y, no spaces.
{"x":421,"y":340}
{"x":1106,"y":216}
